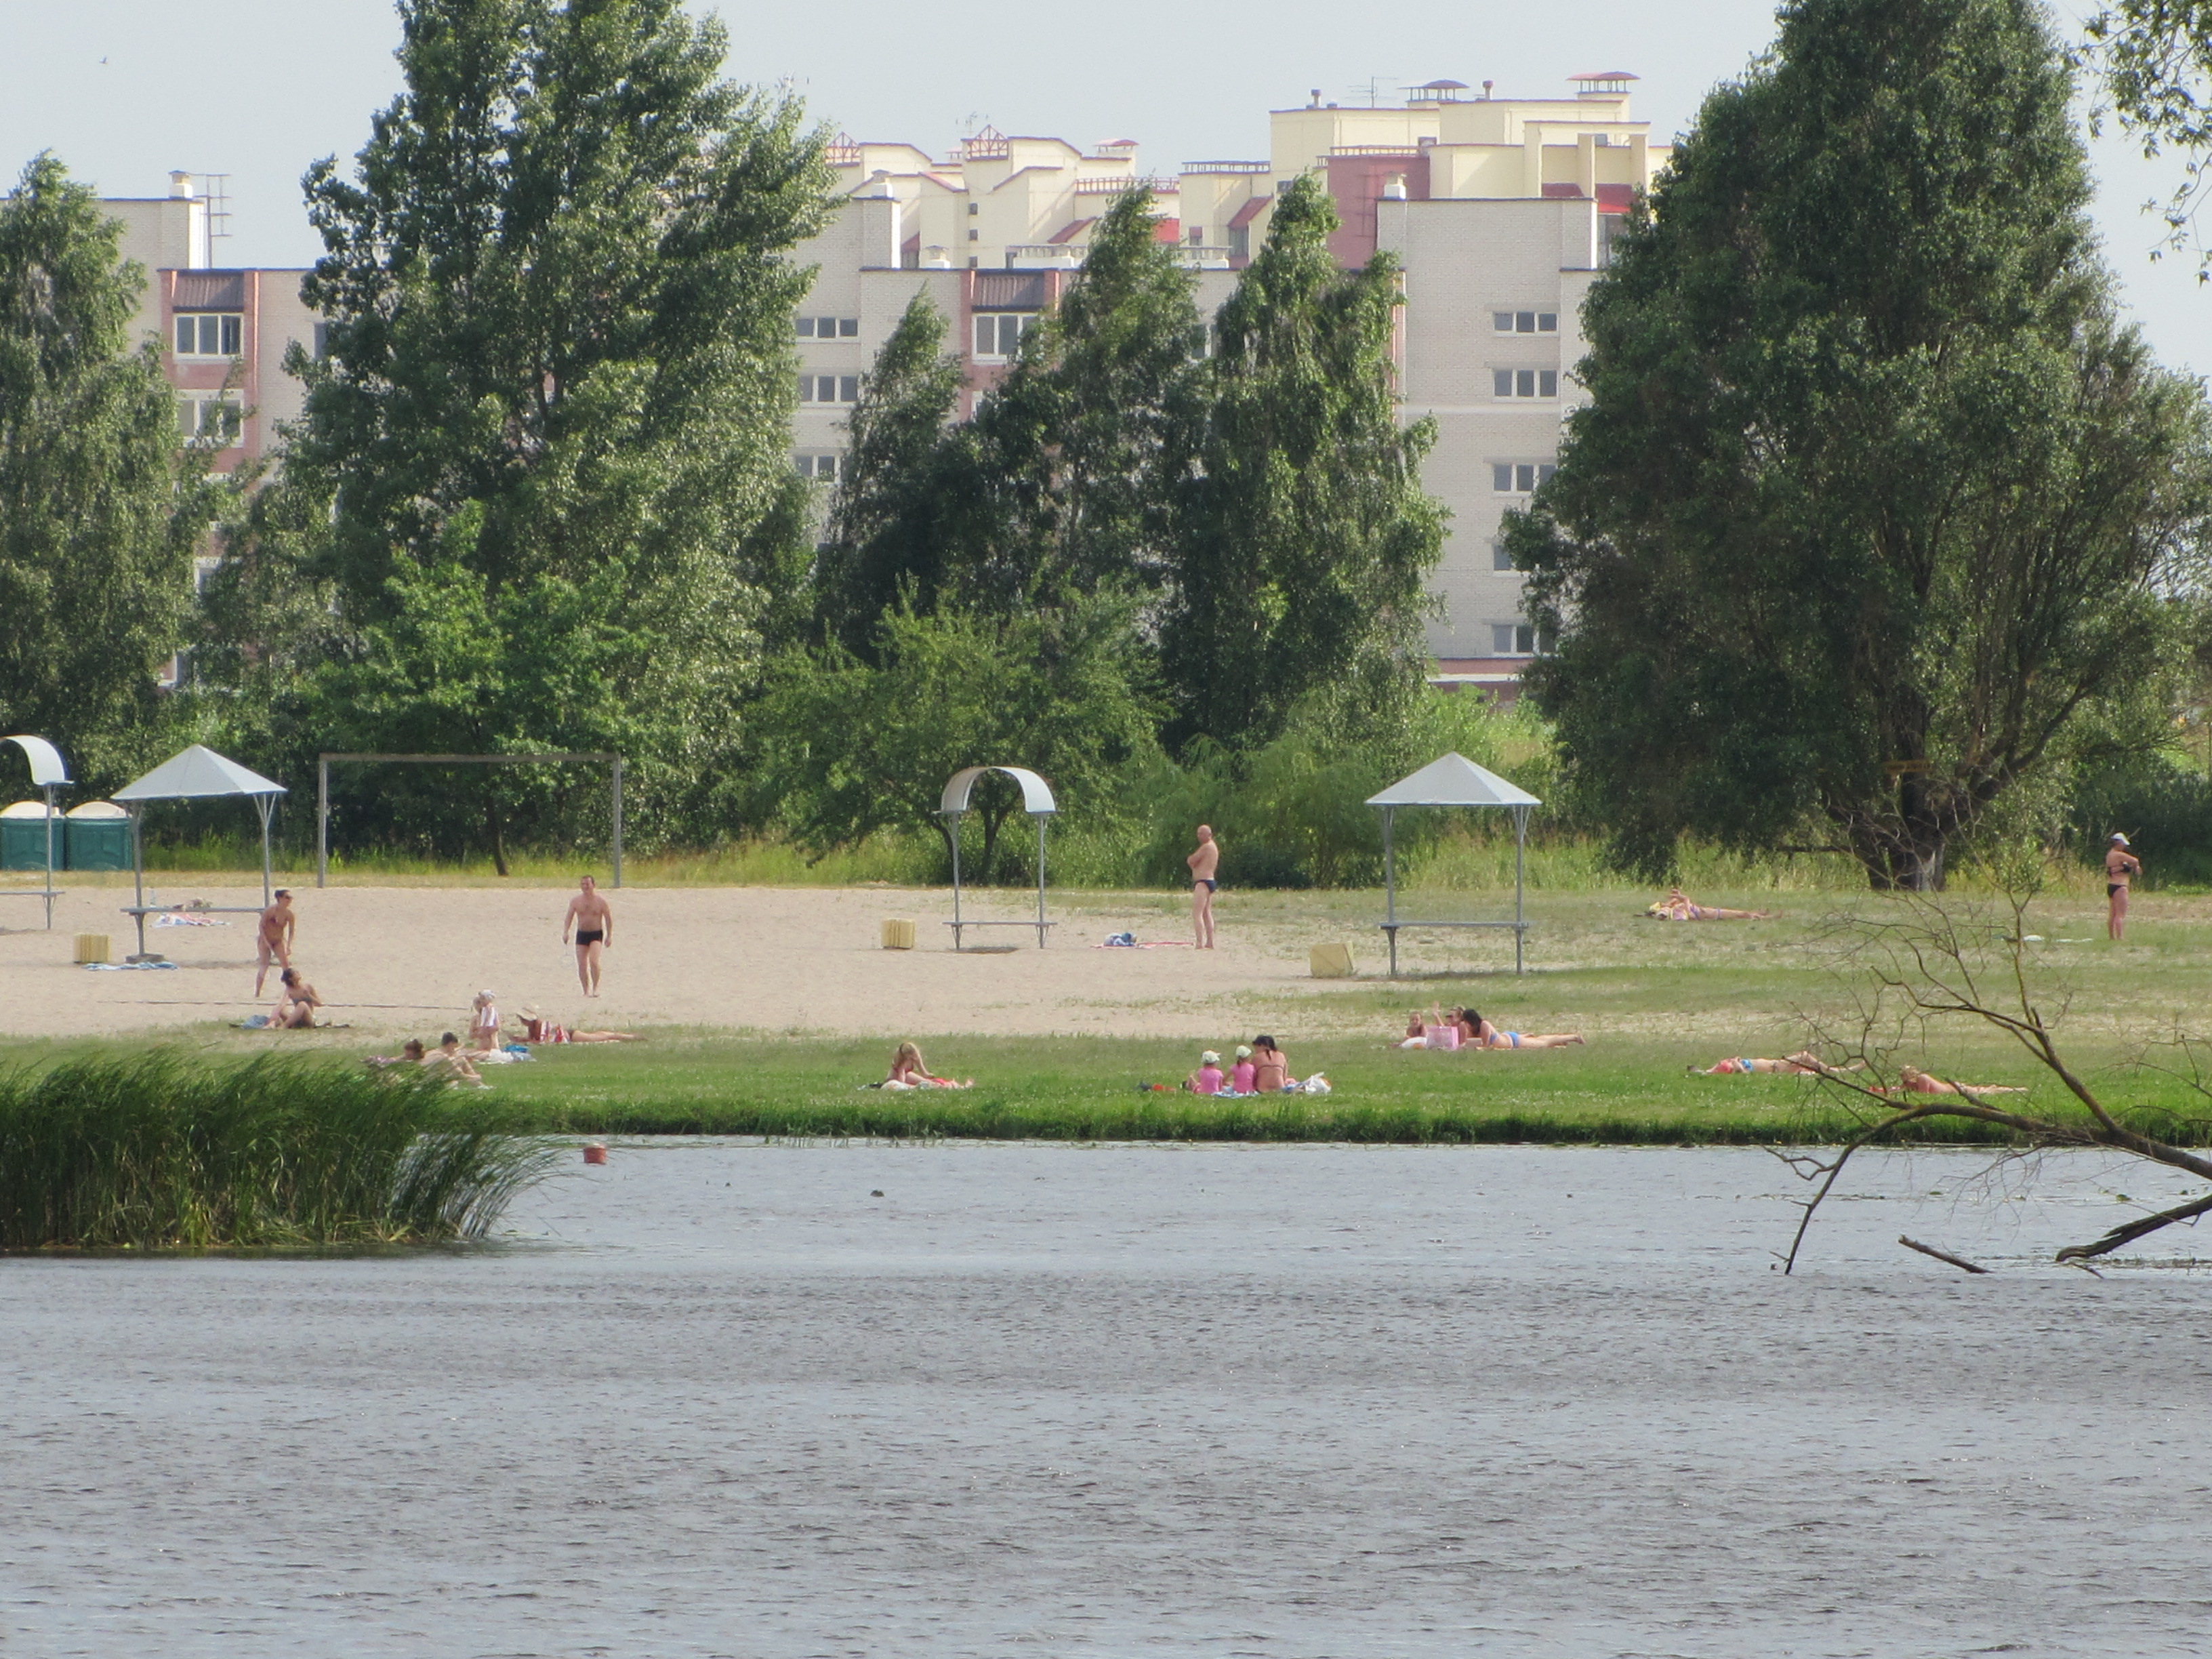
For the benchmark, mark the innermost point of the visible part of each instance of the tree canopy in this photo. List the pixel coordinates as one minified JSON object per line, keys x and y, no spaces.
{"x":1872,"y":510}
{"x":102,"y":503}
{"x":552,"y":413}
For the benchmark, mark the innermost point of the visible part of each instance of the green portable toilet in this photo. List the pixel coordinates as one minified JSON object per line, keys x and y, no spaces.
{"x":23,"y":836}
{"x":99,"y":837}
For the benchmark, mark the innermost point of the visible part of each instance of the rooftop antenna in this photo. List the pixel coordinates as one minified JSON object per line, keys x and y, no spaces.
{"x":1373,"y":88}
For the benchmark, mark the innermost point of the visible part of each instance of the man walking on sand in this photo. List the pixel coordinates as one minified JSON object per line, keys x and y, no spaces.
{"x":2120,"y":868}
{"x":1203,"y":863}
{"x":592,"y":920}
{"x":273,"y":940}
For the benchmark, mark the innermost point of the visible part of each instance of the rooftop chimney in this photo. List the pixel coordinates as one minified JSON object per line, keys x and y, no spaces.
{"x":180,"y":184}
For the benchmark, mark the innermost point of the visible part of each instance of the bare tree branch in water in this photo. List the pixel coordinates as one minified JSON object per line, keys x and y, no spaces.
{"x":1945,"y":964}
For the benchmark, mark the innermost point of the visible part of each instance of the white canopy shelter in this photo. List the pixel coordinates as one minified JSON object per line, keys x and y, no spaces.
{"x":1454,"y":780}
{"x":1036,"y":801}
{"x":199,"y":774}
{"x":48,"y":774}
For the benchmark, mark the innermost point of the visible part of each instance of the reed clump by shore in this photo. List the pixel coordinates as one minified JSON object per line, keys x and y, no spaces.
{"x":161,"y":1151}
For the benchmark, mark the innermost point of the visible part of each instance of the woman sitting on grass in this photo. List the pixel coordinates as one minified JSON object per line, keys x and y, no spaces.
{"x":907,"y":1071}
{"x":1271,"y":1067}
{"x":296,"y":1004}
{"x":1476,"y":1032}
{"x":1803,"y":1061}
{"x":1678,"y":907}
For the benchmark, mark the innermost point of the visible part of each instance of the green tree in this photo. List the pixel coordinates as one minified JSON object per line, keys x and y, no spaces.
{"x":886,"y":530}
{"x":850,"y":747}
{"x":1302,"y":534}
{"x":2156,"y":59}
{"x":1866,"y":518}
{"x":102,"y":505}
{"x":560,"y":298}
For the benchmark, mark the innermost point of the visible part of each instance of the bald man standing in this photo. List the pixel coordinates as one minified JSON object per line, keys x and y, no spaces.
{"x":1203,"y":863}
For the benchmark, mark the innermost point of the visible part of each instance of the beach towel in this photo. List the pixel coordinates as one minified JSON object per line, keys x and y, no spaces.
{"x":178,"y":919}
{"x":123,"y":967}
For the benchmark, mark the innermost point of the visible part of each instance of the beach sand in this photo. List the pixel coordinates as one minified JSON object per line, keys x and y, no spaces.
{"x":406,"y":959}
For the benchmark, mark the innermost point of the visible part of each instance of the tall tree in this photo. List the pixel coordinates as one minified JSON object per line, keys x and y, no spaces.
{"x":102,"y":505}
{"x":1072,"y":444}
{"x":560,"y":295}
{"x":2156,"y":59}
{"x":887,"y":531}
{"x":1865,"y":518}
{"x":1302,"y":534}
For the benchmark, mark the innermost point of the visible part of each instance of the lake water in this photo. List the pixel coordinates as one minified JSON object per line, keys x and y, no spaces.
{"x":715,"y":1398}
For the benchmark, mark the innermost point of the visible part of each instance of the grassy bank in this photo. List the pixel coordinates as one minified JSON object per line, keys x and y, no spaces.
{"x":1080,"y":1089}
{"x":130,"y":1150}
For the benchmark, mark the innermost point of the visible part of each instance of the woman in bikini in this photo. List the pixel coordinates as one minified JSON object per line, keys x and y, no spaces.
{"x":1271,"y":1066}
{"x":2120,"y":868}
{"x":296,"y":1002}
{"x":1803,"y":1062}
{"x":1911,"y":1080}
{"x":908,"y":1072}
{"x":1677,"y":906}
{"x":1476,"y":1032}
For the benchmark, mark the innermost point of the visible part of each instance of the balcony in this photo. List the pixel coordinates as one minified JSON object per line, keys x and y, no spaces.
{"x":1042,"y":256}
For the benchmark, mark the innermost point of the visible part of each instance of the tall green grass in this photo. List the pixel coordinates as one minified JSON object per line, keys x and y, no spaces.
{"x":158,"y":1151}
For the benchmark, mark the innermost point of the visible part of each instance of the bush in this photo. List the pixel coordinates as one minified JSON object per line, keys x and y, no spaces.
{"x":158,"y":1152}
{"x":2155,"y":803}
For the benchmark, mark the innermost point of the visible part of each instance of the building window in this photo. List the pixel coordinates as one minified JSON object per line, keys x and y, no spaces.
{"x":999,"y":333}
{"x":1524,"y":322}
{"x":974,"y":208}
{"x":1499,"y":558}
{"x":1518,"y":477}
{"x":1525,"y":382}
{"x":1519,"y":640}
{"x":828,"y":468}
{"x":974,"y":235}
{"x":828,"y":388}
{"x":829,"y":328}
{"x":210,"y":333}
{"x":215,"y":418}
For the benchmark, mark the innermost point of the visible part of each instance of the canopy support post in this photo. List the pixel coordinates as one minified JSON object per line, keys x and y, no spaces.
{"x":265,"y":804}
{"x":138,"y":882}
{"x":1520,"y":867}
{"x":1040,"y":824}
{"x":322,"y":820}
{"x":49,"y":792}
{"x":955,"y":817}
{"x":1390,"y":890}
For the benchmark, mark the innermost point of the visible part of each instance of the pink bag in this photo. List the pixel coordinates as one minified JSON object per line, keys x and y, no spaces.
{"x":1441,"y":1036}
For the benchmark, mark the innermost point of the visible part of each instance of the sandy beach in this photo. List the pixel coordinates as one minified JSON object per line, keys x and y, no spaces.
{"x":402,"y":959}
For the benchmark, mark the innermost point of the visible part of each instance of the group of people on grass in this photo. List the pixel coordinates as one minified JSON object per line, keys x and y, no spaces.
{"x":488,"y":1046}
{"x":1466,"y":1028}
{"x":1259,"y":1067}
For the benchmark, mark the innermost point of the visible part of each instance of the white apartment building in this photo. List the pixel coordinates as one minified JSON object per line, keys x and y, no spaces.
{"x":1501,"y":210}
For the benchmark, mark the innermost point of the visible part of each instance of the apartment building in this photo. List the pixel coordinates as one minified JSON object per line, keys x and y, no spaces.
{"x":1501,"y":210}
{"x":223,"y":333}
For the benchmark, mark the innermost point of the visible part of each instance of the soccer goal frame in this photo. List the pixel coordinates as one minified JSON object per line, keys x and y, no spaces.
{"x":577,"y":758}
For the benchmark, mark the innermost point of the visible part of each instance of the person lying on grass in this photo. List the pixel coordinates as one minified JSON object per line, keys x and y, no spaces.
{"x":1911,"y":1080}
{"x":1804,"y":1061}
{"x":411,"y":1053}
{"x":1677,"y":907}
{"x":537,"y":1029}
{"x":1208,"y":1078}
{"x":1476,"y":1032}
{"x":908,"y":1072}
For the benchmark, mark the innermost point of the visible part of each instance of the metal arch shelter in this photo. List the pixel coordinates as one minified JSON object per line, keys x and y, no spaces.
{"x":48,"y":774}
{"x":1454,"y":780}
{"x":197,"y":774}
{"x":1036,"y":801}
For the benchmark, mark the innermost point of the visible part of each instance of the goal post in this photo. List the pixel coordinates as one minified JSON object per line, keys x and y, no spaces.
{"x":613,"y":762}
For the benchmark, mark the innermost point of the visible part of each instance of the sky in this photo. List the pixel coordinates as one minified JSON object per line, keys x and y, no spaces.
{"x":125,"y":90}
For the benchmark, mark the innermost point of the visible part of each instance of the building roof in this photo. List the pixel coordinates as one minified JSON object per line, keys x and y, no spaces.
{"x":196,"y":772}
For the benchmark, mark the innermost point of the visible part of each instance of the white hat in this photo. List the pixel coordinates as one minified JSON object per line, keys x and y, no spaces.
{"x":1209,"y":1058}
{"x":2119,"y":838}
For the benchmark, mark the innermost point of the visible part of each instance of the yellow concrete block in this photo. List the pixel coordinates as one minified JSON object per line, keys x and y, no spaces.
{"x":898,"y":935}
{"x":1331,"y":961}
{"x":91,"y":947}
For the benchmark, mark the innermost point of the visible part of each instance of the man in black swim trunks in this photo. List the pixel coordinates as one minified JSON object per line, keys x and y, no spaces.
{"x":592,"y":920}
{"x":1203,"y":863}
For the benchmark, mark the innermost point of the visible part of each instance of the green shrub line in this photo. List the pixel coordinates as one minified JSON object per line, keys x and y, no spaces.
{"x":163,"y":1152}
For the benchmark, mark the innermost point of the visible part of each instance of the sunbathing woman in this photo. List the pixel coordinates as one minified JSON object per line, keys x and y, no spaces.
{"x":1678,"y":907}
{"x":1476,"y":1032}
{"x":296,"y":1003}
{"x":1911,"y":1080}
{"x":1803,"y":1061}
{"x":537,"y":1029}
{"x":908,"y":1072}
